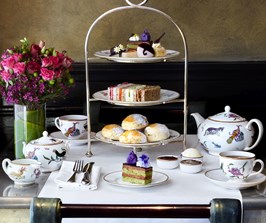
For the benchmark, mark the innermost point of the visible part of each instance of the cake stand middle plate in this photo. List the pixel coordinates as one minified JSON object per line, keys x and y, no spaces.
{"x":174,"y":135}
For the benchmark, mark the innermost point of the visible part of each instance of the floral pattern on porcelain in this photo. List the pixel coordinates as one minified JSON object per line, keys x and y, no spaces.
{"x":236,"y":172}
{"x":50,"y":152}
{"x":227,"y":131}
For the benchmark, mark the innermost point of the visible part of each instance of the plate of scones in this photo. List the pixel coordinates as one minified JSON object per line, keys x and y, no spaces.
{"x":135,"y":131}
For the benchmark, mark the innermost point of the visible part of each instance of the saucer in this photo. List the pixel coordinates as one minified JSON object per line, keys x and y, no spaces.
{"x":216,"y":176}
{"x":82,"y":140}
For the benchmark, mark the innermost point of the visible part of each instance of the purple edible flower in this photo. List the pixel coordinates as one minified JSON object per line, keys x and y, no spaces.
{"x":132,"y":158}
{"x":145,"y":36}
{"x":144,"y":160}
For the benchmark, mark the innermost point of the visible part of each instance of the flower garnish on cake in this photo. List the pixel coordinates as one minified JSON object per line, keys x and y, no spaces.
{"x":137,"y":170}
{"x":117,"y":50}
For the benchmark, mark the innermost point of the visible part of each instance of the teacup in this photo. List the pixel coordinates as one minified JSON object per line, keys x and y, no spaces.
{"x":72,"y":126}
{"x":239,"y":165}
{"x":22,"y":171}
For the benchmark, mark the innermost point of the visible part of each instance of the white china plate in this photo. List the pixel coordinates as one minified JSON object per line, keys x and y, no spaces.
{"x":83,"y":140}
{"x":216,"y":176}
{"x":166,"y":95}
{"x":115,"y":178}
{"x":174,"y":135}
{"x":106,"y":55}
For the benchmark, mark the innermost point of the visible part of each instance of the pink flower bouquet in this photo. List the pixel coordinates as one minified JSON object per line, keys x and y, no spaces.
{"x":33,"y":74}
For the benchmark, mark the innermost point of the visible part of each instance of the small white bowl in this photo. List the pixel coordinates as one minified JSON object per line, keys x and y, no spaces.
{"x":192,"y":153}
{"x":190,"y":166}
{"x":167,"y":161}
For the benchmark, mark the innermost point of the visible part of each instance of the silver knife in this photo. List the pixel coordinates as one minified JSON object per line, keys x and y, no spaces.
{"x":87,"y":175}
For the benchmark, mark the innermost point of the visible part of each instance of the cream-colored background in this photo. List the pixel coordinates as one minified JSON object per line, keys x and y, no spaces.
{"x":216,"y":30}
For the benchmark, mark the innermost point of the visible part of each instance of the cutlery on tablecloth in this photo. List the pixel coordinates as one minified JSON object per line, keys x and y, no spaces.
{"x":78,"y":168}
{"x":87,"y":175}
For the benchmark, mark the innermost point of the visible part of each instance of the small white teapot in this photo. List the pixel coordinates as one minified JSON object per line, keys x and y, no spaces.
{"x":227,"y":131}
{"x":50,"y":152}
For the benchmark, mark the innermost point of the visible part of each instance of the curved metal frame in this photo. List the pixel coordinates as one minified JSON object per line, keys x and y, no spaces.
{"x":133,"y":6}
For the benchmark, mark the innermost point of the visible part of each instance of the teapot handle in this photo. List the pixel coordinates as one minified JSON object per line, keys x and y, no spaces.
{"x":4,"y":164}
{"x":260,"y":128}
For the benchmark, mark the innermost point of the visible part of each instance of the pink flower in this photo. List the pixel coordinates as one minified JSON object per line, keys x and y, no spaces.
{"x":31,"y":74}
{"x":47,"y":74}
{"x":8,"y":63}
{"x":17,"y":57}
{"x":6,"y":76}
{"x":19,"y":68}
{"x":56,"y":61}
{"x":67,"y":62}
{"x":58,"y":73}
{"x":35,"y":49}
{"x":47,"y":62}
{"x":33,"y":67}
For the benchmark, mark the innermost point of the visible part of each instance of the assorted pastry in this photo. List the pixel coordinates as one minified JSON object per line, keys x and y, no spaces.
{"x":140,"y":46}
{"x":135,"y":129}
{"x":130,"y":92}
{"x":137,"y":170}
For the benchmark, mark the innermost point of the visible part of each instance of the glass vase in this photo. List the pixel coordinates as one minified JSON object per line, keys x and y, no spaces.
{"x":29,"y":124}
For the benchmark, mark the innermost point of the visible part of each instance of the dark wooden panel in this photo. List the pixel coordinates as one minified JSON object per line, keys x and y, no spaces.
{"x":212,"y":85}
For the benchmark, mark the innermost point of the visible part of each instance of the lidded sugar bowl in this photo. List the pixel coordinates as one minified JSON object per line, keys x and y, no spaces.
{"x":227,"y":131}
{"x":47,"y":150}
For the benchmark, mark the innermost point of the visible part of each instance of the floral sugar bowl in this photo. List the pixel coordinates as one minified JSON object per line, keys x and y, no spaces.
{"x":227,"y":131}
{"x":50,"y":152}
{"x":23,"y":172}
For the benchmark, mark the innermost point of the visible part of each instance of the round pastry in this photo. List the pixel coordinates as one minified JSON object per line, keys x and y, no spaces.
{"x":134,"y":121}
{"x":156,"y":132}
{"x":132,"y":137}
{"x":145,"y":50}
{"x":112,"y":131}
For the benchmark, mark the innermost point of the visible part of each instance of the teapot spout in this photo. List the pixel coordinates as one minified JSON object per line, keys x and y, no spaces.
{"x":198,"y":118}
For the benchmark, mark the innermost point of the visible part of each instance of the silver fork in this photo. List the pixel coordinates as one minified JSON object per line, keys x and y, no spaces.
{"x":78,"y":168}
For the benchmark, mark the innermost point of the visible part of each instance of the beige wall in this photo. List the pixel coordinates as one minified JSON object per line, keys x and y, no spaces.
{"x":216,"y":30}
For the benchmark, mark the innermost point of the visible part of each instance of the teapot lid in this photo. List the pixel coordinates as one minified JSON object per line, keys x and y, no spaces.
{"x":45,"y":140}
{"x":227,"y":116}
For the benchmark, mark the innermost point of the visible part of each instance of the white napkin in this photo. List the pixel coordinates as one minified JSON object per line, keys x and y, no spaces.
{"x":65,"y":173}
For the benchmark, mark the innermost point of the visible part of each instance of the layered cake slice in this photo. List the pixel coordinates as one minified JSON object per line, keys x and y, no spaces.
{"x":129,"y":92}
{"x":137,"y":171}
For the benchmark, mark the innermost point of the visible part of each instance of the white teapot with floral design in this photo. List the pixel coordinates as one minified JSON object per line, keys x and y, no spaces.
{"x":227,"y":131}
{"x":50,"y":152}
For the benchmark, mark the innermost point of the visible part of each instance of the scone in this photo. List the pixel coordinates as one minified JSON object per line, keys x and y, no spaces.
{"x":134,"y":121}
{"x":132,"y":137}
{"x":156,"y":132}
{"x":112,"y":131}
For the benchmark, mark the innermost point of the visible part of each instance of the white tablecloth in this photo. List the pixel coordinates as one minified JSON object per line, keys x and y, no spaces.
{"x":181,"y":188}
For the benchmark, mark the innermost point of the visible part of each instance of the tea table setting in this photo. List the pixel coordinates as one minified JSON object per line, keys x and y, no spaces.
{"x":178,"y":187}
{"x":192,"y":175}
